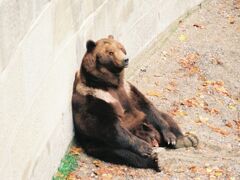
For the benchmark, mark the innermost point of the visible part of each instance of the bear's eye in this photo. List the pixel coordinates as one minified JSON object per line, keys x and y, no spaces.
{"x":111,"y":53}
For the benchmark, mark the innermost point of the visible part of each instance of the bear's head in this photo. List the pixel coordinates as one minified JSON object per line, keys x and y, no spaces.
{"x":103,"y":63}
{"x":107,"y":53}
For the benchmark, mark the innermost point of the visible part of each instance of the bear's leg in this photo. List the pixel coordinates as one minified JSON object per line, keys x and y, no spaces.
{"x":122,"y":138}
{"x":188,"y":140}
{"x":155,"y":117}
{"x":119,"y":146}
{"x":123,"y":156}
{"x":168,"y":128}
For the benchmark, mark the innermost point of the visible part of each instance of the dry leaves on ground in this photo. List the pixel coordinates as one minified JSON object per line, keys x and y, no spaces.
{"x":189,"y":63}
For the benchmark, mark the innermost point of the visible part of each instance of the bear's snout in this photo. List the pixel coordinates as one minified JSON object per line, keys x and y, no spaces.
{"x":125,"y":61}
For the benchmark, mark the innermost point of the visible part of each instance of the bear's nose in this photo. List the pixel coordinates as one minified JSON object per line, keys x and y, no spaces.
{"x":126,"y":61}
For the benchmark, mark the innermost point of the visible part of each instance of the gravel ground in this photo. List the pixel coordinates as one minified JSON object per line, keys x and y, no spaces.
{"x":194,"y":77}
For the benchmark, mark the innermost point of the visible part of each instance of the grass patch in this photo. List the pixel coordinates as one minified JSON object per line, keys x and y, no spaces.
{"x":68,"y":165}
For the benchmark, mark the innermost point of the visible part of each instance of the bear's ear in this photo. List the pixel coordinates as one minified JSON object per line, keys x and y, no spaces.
{"x":110,"y":37}
{"x":90,"y":45}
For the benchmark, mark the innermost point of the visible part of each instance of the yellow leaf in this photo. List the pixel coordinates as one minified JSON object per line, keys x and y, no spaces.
{"x":194,"y":70}
{"x":206,"y":83}
{"x":209,"y":170}
{"x":218,"y":173}
{"x":231,"y":20}
{"x":182,"y":38}
{"x":181,"y":113}
{"x":154,"y":93}
{"x":222,"y":90}
{"x":232,"y":106}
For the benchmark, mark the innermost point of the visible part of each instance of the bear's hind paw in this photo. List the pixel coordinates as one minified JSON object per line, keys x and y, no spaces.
{"x":188,"y":140}
{"x":155,"y":164}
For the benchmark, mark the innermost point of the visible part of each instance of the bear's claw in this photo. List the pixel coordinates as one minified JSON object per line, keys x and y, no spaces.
{"x":169,"y":137}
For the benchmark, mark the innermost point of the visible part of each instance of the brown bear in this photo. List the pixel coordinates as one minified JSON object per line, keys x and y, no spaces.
{"x":113,"y":120}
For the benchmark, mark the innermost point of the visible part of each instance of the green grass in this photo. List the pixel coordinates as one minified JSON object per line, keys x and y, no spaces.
{"x":68,"y":165}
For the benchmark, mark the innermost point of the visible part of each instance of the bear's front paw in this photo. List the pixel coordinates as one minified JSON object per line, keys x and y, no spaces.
{"x":169,"y":137}
{"x":188,"y":140}
{"x":145,"y":150}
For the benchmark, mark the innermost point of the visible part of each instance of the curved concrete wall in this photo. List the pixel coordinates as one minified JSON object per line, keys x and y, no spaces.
{"x":41,"y":46}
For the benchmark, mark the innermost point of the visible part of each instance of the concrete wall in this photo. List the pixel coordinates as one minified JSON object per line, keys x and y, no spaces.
{"x":41,"y":46}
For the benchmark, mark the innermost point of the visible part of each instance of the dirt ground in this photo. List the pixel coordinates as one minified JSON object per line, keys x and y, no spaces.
{"x":195,"y":77}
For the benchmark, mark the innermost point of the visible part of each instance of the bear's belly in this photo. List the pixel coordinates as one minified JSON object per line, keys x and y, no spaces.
{"x":132,"y":119}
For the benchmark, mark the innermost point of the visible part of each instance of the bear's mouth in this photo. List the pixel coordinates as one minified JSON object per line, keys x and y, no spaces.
{"x":125,"y":65}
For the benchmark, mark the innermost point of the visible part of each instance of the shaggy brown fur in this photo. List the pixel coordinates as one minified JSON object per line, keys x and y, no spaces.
{"x":113,"y":120}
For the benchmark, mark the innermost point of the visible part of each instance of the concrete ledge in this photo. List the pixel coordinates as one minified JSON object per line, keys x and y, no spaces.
{"x":41,"y":47}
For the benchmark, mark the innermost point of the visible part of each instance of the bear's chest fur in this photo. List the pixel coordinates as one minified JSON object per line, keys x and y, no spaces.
{"x":120,"y":98}
{"x":130,"y":116}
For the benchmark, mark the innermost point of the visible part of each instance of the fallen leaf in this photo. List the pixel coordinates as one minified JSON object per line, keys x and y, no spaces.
{"x":71,"y":176}
{"x":107,"y":172}
{"x":182,"y":38}
{"x":216,"y":61}
{"x":181,"y":113}
{"x":232,"y":106}
{"x":214,"y":111}
{"x":218,"y":172}
{"x":209,"y":170}
{"x":106,"y":176}
{"x":192,"y":102}
{"x":218,"y":130}
{"x":237,"y":122}
{"x":154,"y":93}
{"x":219,"y":83}
{"x":172,"y":86}
{"x":194,"y":70}
{"x":211,"y":111}
{"x":193,"y":169}
{"x":229,"y":124}
{"x":231,"y":20}
{"x":218,"y":86}
{"x":198,"y":26}
{"x":206,"y":83}
{"x":202,"y":120}
{"x":201,"y":77}
{"x":222,"y":90}
{"x":189,"y":63}
{"x":97,"y":163}
{"x":203,"y":103}
{"x":58,"y":174}
{"x":173,"y":110}
{"x":75,"y":150}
